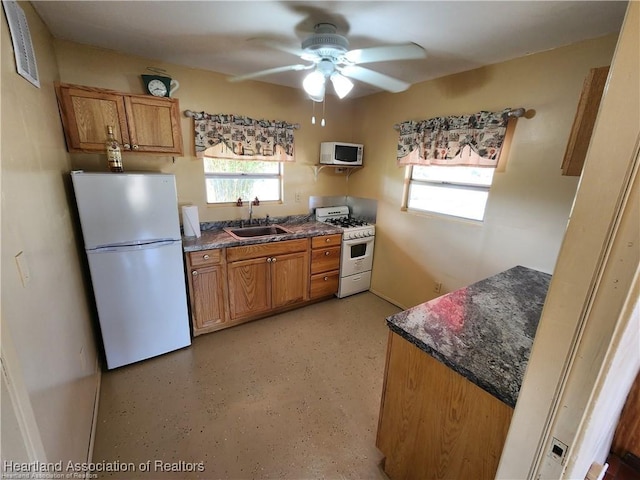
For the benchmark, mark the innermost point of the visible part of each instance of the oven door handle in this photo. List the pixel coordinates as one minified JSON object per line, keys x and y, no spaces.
{"x":355,"y":241}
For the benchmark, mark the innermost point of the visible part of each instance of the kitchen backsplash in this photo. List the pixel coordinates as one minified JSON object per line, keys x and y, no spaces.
{"x":362,"y":208}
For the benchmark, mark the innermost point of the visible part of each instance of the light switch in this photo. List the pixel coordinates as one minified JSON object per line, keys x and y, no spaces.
{"x":23,"y":268}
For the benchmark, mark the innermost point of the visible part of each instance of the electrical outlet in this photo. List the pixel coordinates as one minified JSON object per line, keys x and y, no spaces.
{"x":298,"y":197}
{"x":437,"y":287}
{"x":558,"y":450}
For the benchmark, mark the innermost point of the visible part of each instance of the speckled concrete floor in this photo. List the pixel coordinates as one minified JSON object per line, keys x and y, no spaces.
{"x":292,"y":396}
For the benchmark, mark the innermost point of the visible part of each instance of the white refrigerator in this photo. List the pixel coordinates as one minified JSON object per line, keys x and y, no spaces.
{"x":133,"y":243}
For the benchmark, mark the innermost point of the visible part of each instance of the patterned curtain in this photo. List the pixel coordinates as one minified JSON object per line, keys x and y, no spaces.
{"x":470,"y":140}
{"x":243,"y":138}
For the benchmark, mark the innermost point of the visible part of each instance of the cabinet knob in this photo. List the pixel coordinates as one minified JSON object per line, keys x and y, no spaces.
{"x":327,"y":240}
{"x":194,"y":273}
{"x":135,"y":147}
{"x":327,"y":253}
{"x":274,"y":259}
{"x":205,"y":256}
{"x":326,"y":278}
{"x":269,"y":259}
{"x":126,"y":146}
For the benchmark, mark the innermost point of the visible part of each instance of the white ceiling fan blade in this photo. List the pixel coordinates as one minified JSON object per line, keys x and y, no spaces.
{"x":410,"y":51}
{"x":270,"y":71}
{"x":374,"y":78}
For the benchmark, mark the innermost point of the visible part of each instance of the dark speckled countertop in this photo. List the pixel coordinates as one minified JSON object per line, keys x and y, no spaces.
{"x":484,"y":331}
{"x":216,"y":237}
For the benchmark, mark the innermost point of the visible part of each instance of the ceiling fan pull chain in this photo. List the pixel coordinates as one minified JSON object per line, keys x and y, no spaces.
{"x":313,"y":112}
{"x":322,"y":121}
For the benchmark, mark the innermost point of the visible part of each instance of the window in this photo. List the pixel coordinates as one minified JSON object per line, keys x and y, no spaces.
{"x":457,"y":191}
{"x":228,"y":180}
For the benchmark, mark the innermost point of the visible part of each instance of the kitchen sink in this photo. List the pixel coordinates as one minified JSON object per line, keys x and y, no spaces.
{"x":260,"y":231}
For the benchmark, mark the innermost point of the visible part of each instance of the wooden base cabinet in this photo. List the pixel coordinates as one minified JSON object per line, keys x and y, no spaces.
{"x":325,"y":265}
{"x":434,"y":423}
{"x":266,"y":277}
{"x":207,"y":290}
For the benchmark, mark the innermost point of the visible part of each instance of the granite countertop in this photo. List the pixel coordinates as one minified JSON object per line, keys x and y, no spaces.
{"x":213,"y":236}
{"x":483,"y":331}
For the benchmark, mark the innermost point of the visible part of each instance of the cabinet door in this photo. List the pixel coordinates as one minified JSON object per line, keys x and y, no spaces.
{"x":208,"y":296}
{"x":584,"y":121}
{"x":86,"y":113}
{"x":249,"y":287}
{"x":153,"y":124}
{"x":289,"y":279}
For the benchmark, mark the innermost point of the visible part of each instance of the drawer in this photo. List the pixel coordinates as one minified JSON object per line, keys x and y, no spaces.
{"x":205,"y":257}
{"x":324,"y":284}
{"x":267,"y":249}
{"x":326,"y":241}
{"x":325,"y":259}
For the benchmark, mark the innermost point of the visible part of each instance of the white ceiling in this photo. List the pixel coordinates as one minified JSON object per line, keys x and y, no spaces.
{"x":217,"y":35}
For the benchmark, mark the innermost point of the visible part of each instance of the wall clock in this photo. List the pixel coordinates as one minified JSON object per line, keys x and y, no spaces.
{"x":157,"y":85}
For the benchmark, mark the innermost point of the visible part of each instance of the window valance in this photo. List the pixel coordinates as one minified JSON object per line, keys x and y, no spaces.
{"x":243,"y":138}
{"x":469,"y":140}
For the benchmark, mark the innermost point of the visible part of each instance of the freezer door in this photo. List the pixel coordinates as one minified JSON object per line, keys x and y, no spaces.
{"x":122,"y":208}
{"x":141,"y":298}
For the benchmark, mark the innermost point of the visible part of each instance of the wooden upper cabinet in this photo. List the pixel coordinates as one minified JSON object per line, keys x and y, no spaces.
{"x":584,"y":121}
{"x":153,"y":124}
{"x":141,"y":123}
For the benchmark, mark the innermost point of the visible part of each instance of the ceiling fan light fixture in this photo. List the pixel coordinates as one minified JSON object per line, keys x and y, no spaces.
{"x":313,"y":84}
{"x":341,"y":84}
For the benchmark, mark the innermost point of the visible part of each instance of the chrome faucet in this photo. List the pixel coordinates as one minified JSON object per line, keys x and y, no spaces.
{"x":253,"y":202}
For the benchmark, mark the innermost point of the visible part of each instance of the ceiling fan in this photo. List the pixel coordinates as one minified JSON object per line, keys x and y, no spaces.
{"x":331,"y":58}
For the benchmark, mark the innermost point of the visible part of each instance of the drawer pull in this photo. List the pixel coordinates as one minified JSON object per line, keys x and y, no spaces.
{"x":206,"y":256}
{"x":326,"y":278}
{"x":327,"y":253}
{"x":327,"y":240}
{"x":194,"y":273}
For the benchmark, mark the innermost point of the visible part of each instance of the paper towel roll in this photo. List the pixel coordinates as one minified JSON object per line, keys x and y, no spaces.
{"x":190,"y":221}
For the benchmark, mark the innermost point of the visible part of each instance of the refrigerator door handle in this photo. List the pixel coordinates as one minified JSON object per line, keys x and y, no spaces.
{"x":129,"y":248}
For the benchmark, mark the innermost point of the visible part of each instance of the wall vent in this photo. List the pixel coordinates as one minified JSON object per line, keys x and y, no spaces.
{"x":21,"y":39}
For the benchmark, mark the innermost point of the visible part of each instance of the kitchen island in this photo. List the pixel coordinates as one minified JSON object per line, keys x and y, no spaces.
{"x":454,"y":368}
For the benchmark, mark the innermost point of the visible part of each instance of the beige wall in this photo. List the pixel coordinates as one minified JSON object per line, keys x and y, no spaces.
{"x":528,"y":205}
{"x":210,"y":92}
{"x":48,"y":319}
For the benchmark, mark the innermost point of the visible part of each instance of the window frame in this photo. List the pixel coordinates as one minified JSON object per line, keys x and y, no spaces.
{"x":409,"y":181}
{"x":250,"y":176}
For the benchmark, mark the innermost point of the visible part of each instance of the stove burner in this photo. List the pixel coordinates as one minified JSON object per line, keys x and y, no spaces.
{"x":347,"y":222}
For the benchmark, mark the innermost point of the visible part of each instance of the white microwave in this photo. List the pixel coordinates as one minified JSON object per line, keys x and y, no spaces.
{"x":339,"y":153}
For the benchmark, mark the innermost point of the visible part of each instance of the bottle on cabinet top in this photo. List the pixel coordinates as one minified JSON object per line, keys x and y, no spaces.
{"x":114,"y":155}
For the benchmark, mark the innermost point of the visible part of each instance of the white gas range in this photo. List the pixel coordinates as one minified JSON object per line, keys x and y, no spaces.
{"x":357,"y":249}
